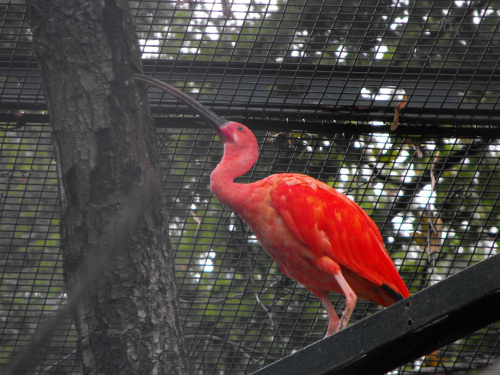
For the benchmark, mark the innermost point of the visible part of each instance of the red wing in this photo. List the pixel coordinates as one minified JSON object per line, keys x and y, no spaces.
{"x":331,"y":224}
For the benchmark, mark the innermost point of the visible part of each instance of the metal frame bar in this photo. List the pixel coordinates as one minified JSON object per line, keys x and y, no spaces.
{"x":407,"y":330}
{"x":437,"y":96}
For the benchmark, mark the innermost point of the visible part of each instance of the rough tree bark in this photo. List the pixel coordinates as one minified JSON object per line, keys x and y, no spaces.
{"x":128,"y":319}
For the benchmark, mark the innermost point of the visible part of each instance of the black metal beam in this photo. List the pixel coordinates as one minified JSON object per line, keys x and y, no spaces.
{"x":300,"y":91}
{"x":311,"y":126}
{"x":416,"y":326}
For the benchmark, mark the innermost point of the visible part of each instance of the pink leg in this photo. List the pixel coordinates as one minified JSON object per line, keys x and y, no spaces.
{"x":328,"y":265}
{"x":350,"y":300}
{"x":333,"y":318}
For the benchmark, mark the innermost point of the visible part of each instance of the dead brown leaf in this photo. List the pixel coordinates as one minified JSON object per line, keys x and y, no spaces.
{"x":398,"y":109}
{"x":429,"y":235}
{"x":416,"y":144}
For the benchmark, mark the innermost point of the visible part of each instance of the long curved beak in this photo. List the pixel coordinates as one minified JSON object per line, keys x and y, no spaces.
{"x":212,"y":119}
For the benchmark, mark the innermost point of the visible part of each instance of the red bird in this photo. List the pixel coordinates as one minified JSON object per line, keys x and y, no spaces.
{"x":315,"y":234}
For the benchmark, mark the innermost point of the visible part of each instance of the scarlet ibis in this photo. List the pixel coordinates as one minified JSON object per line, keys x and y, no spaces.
{"x":315,"y":234}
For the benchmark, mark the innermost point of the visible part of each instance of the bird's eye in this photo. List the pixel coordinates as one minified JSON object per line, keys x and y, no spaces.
{"x":240,"y":128}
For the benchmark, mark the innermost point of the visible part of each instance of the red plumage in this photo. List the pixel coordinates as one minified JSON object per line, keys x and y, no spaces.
{"x":315,"y":234}
{"x":332,"y":225}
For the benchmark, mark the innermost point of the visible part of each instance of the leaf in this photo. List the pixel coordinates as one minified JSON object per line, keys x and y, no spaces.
{"x":420,"y":238}
{"x":398,"y":108}
{"x":415,"y":143}
{"x":431,"y":360}
{"x":429,"y":237}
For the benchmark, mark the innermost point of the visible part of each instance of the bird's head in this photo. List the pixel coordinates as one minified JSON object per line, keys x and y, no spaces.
{"x":234,"y":134}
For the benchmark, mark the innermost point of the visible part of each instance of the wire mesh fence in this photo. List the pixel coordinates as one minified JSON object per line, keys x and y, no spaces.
{"x":236,"y":297}
{"x":240,"y":312}
{"x":313,"y":79}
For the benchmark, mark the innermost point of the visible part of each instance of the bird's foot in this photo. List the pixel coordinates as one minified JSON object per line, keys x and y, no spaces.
{"x":343,"y":323}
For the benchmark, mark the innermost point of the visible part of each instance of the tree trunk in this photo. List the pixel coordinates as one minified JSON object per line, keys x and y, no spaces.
{"x":115,"y":246}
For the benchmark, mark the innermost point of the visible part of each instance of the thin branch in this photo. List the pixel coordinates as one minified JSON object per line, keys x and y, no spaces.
{"x":235,"y":344}
{"x":410,"y":189}
{"x":57,"y":362}
{"x":274,"y":326}
{"x":251,"y":264}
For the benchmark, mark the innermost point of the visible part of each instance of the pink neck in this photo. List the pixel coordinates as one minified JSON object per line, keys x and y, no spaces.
{"x":234,"y":164}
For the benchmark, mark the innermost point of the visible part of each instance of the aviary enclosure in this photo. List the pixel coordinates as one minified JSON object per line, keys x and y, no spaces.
{"x":395,"y":103}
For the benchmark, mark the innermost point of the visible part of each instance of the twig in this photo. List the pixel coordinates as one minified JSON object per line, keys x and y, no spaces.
{"x":57,"y":362}
{"x":428,"y":247}
{"x":274,"y":326}
{"x":268,"y":313}
{"x":251,"y":265}
{"x":236,"y":344}
{"x":410,"y":189}
{"x":226,"y":9}
{"x":241,"y":294}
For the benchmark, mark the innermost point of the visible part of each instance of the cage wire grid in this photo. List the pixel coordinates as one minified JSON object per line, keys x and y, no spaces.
{"x":294,"y":71}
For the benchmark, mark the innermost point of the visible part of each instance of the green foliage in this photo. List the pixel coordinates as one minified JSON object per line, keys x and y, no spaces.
{"x":331,"y":32}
